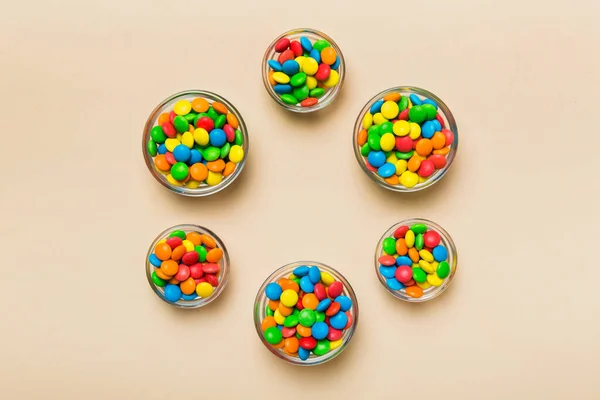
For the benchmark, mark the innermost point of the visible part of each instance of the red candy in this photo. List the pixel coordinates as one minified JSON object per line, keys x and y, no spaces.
{"x":404,"y":143}
{"x":282,"y":45}
{"x":370,"y":167}
{"x":182,"y":273}
{"x":288,"y":332}
{"x":229,"y":133}
{"x":431,"y":239}
{"x":170,"y":158}
{"x":401,"y":231}
{"x":403,"y":115}
{"x":169,"y":129}
{"x":299,"y":305}
{"x":210,"y":268}
{"x":449,"y":135}
{"x":190,"y":258}
{"x":205,"y":123}
{"x":335,"y":289}
{"x":333,"y":309}
{"x":323,"y":72}
{"x":285,"y":56}
{"x":308,"y":343}
{"x":212,"y":279}
{"x":440,"y":120}
{"x":196,"y":271}
{"x":200,"y":280}
{"x":349,"y":324}
{"x":320,"y":291}
{"x":296,"y":48}
{"x":426,"y":169}
{"x":309,"y":101}
{"x":174,"y":242}
{"x":438,"y":160}
{"x":404,"y":274}
{"x":172,"y":116}
{"x":334,"y":334}
{"x":388,"y":261}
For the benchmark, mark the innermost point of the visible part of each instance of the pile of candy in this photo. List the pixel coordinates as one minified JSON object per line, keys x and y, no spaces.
{"x":414,"y":260}
{"x":303,"y":71}
{"x":307,"y":312}
{"x":187,"y":266}
{"x":197,"y":143}
{"x":404,"y":139}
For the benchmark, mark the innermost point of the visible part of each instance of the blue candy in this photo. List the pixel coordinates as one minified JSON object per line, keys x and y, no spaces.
{"x":404,"y":260}
{"x":181,"y":153}
{"x":345,"y":303}
{"x":388,"y":272}
{"x":306,"y":44}
{"x":172,"y":293}
{"x":320,"y":330}
{"x":154,"y":260}
{"x":282,"y":89}
{"x":303,"y":353}
{"x":416,"y":100}
{"x":376,"y":158}
{"x":338,"y":321}
{"x":300,"y":271}
{"x":376,"y":107}
{"x":386,"y":170}
{"x":314,"y":53}
{"x":195,"y":157}
{"x":275,"y":66}
{"x":162,"y":149}
{"x":393,"y":284}
{"x":429,"y":101}
{"x":324,"y":305}
{"x":290,"y":67}
{"x":440,"y":253}
{"x":217,"y":137}
{"x":314,"y":274}
{"x":336,"y":64}
{"x":273,"y":291}
{"x":437,"y":125}
{"x":189,"y":297}
{"x":280,"y":327}
{"x":427,"y":129}
{"x":306,"y":285}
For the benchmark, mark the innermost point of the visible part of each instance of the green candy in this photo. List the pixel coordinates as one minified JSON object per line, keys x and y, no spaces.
{"x":180,"y":123}
{"x":152,"y":148}
{"x":386,"y":127}
{"x":220,"y":121}
{"x":273,"y":335}
{"x":307,"y":317}
{"x":419,"y":275}
{"x":300,"y":93}
{"x":190,"y":117}
{"x":269,"y":312}
{"x":403,"y":103}
{"x":225,"y":150}
{"x":178,"y":233}
{"x":211,"y":153}
{"x":180,"y":171}
{"x":290,"y":321}
{"x":365,"y":150}
{"x":419,"y":242}
{"x":418,"y":228}
{"x":239,"y":138}
{"x":417,"y":114}
{"x":404,"y":156}
{"x":158,"y":135}
{"x":289,"y":99}
{"x":320,"y":44}
{"x":430,"y":111}
{"x":201,"y":250}
{"x":317,"y":92}
{"x":374,"y":130}
{"x":297,"y":280}
{"x":295,"y":312}
{"x":443,"y":270}
{"x":298,"y":335}
{"x":322,"y":348}
{"x":320,"y":316}
{"x":373,"y":141}
{"x":298,"y":79}
{"x":212,"y":113}
{"x":157,"y":281}
{"x":389,"y":245}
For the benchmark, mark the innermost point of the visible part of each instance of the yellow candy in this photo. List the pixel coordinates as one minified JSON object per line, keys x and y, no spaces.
{"x":236,"y":154}
{"x":392,"y":159}
{"x":214,"y":178}
{"x":434,"y":279}
{"x":410,"y":104}
{"x":161,"y":241}
{"x":189,"y":246}
{"x":426,"y":266}
{"x":187,"y":139}
{"x":424,"y":285}
{"x":390,"y":109}
{"x":379,"y":119}
{"x":182,"y":107}
{"x":415,"y":130}
{"x":409,"y":238}
{"x":192,"y":184}
{"x":310,"y":66}
{"x":335,"y":344}
{"x":280,"y":77}
{"x":387,"y":142}
{"x":172,"y":180}
{"x":422,"y":179}
{"x":300,"y":60}
{"x":171,"y":143}
{"x":426,"y":255}
{"x":278,"y":317}
{"x":326,"y":278}
{"x":367,"y":120}
{"x":178,"y":136}
{"x":289,"y":298}
{"x":204,"y":289}
{"x":292,"y":276}
{"x":401,"y":128}
{"x":201,"y":136}
{"x":401,"y":166}
{"x":333,"y":79}
{"x":311,"y":82}
{"x":409,"y":179}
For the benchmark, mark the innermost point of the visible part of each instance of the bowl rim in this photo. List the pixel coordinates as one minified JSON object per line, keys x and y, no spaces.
{"x":202,"y":190}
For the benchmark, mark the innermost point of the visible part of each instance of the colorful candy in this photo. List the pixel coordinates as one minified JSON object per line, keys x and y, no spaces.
{"x":403,"y":139}
{"x":413,"y":259}
{"x":186,"y":265}
{"x":198,"y":143}
{"x":302,"y":71}
{"x":307,"y":312}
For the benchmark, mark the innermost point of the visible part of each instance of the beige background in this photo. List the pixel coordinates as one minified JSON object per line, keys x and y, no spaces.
{"x":79,"y":208}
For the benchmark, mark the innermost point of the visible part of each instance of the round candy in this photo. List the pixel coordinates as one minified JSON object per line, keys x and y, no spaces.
{"x":273,"y":335}
{"x":320,"y":330}
{"x":273,"y":291}
{"x":289,"y":298}
{"x":172,"y":293}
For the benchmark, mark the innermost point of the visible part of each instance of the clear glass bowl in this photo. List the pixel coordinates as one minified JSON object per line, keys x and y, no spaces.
{"x":449,"y":123}
{"x":433,"y":291}
{"x":261,"y":303}
{"x":224,"y":263}
{"x":166,"y":106}
{"x":313,"y":35}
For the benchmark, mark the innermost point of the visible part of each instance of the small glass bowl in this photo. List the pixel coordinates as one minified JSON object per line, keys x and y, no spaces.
{"x":314,"y":35}
{"x":261,"y":302}
{"x":166,"y":106}
{"x":449,"y":123}
{"x":223,"y":275}
{"x":433,"y":291}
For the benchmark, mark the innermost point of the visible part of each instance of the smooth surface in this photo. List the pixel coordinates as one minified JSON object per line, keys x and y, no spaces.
{"x":78,"y":208}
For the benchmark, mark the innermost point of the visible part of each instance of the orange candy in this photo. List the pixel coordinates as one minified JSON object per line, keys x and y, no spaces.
{"x":200,"y":105}
{"x":438,"y":140}
{"x":362,"y":137}
{"x":424,"y":147}
{"x":413,"y":254}
{"x":174,"y":281}
{"x":279,"y":345}
{"x":291,"y":345}
{"x":188,"y":286}
{"x":414,"y":163}
{"x":328,"y":55}
{"x":232,"y":120}
{"x":208,"y":241}
{"x":310,"y":301}
{"x":169,"y":267}
{"x":285,"y":311}
{"x":271,"y":80}
{"x":267,"y":323}
{"x":286,"y":284}
{"x":198,"y":172}
{"x":303,"y":330}
{"x":162,"y":251}
{"x":219,"y":107}
{"x":395,"y":97}
{"x":214,"y":255}
{"x":229,"y":168}
{"x":164,"y":117}
{"x":194,"y":237}
{"x":273,"y":305}
{"x":443,"y":151}
{"x":392,"y":180}
{"x":162,"y":275}
{"x":414,"y":291}
{"x":401,"y":248}
{"x":161,"y":163}
{"x":178,"y":252}
{"x":216,"y":166}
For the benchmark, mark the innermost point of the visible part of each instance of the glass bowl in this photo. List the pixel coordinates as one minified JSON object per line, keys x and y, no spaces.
{"x":313,"y":35}
{"x":222,"y":275}
{"x":433,"y":291}
{"x":192,"y":188}
{"x":261,"y":304}
{"x":446,"y":120}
